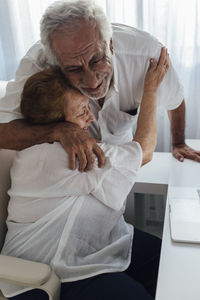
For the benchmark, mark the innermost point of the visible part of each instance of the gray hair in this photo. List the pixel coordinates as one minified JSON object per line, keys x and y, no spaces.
{"x":61,"y":15}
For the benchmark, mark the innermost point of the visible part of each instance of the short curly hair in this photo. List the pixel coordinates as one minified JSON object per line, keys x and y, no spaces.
{"x":42,"y":99}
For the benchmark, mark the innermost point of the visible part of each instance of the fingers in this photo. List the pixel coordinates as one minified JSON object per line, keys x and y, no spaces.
{"x":163,"y":61}
{"x":193,"y":156}
{"x":82,"y":158}
{"x":153,"y":64}
{"x":90,"y":158}
{"x":182,"y":152}
{"x":197,"y":152}
{"x":90,"y":161}
{"x":100,"y":156}
{"x":163,"y":56}
{"x":72,"y":160}
{"x":178,"y":156}
{"x":86,"y":158}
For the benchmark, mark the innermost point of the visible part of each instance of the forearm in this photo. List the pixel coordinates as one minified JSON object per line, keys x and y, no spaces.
{"x":177,"y":123}
{"x":146,"y":132}
{"x":18,"y":134}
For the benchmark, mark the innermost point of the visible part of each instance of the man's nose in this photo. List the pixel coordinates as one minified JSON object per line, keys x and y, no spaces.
{"x":91,"y":79}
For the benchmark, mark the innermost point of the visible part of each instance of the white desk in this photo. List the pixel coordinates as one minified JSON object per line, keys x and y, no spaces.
{"x":153,"y":177}
{"x":179,"y":271}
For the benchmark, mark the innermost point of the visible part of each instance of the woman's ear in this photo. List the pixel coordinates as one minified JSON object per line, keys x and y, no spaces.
{"x":111,"y":46}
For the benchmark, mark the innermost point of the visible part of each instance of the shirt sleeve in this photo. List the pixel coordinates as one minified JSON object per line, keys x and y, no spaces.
{"x":10,"y":103}
{"x":51,"y":177}
{"x":125,"y":161}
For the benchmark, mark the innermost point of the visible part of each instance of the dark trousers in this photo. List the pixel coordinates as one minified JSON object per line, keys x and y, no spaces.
{"x":138,"y":282}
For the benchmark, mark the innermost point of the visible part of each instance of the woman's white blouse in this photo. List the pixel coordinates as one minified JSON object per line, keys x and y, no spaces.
{"x":68,"y":219}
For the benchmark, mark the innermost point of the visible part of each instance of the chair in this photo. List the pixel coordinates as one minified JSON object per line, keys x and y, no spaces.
{"x":16,"y":270}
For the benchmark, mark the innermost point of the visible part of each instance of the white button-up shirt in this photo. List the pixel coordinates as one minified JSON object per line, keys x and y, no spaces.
{"x":70,"y":220}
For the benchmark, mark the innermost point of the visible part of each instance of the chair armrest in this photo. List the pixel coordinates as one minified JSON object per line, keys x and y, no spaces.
{"x":23,"y":272}
{"x":28,"y":273}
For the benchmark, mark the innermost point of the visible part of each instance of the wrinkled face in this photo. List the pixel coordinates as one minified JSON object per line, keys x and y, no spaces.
{"x":85,"y":60}
{"x":77,"y":109}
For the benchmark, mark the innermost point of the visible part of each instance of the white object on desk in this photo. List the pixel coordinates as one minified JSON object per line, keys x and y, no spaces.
{"x":185,"y":219}
{"x":184,"y":208}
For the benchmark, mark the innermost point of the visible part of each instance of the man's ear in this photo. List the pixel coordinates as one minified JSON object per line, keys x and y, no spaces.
{"x":111,"y":46}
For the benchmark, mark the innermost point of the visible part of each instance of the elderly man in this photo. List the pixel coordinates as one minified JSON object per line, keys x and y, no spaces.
{"x":108,"y":67}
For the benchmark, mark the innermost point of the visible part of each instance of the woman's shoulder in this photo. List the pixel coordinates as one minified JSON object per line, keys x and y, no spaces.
{"x":45,"y":151}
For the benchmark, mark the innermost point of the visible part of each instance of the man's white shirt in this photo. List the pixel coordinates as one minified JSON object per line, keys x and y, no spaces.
{"x":132,"y":52}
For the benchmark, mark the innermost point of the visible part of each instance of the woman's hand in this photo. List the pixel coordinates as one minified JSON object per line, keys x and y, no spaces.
{"x":156,"y":72}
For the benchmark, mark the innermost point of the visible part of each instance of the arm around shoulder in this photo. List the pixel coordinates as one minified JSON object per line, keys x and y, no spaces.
{"x":18,"y":134}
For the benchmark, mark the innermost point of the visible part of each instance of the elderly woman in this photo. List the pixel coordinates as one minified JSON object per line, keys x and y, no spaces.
{"x":73,"y":220}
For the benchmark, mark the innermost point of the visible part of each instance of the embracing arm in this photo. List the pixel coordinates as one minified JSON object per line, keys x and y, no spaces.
{"x":18,"y":135}
{"x":179,"y":149}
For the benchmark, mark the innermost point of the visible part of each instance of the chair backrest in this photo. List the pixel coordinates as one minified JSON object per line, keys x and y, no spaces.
{"x":6,"y":159}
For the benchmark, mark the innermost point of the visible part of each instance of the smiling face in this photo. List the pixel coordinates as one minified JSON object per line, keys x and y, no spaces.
{"x":77,"y":109}
{"x":84,"y":59}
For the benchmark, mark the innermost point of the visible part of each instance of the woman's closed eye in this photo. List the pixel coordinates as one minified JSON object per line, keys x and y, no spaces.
{"x":81,"y":114}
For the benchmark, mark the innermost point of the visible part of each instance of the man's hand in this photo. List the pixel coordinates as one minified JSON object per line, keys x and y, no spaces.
{"x":78,"y":143}
{"x":183,"y":151}
{"x":177,"y":116}
{"x":179,"y":149}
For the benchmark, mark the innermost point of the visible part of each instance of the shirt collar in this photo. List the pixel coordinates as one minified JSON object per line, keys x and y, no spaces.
{"x":115,"y":73}
{"x":114,"y":86}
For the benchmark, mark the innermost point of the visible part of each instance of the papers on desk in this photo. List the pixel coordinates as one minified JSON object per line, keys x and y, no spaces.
{"x":184,"y":207}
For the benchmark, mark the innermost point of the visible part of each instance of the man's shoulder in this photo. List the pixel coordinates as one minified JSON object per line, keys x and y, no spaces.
{"x":133,"y":40}
{"x":37,"y":54}
{"x":129,"y":31}
{"x":33,"y":62}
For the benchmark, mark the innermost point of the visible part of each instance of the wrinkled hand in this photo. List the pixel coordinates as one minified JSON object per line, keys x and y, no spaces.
{"x":183,"y":151}
{"x":78,"y":143}
{"x":156,"y":71}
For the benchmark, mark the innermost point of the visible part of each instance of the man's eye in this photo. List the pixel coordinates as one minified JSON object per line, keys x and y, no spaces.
{"x":98,"y":60}
{"x":76,"y":70}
